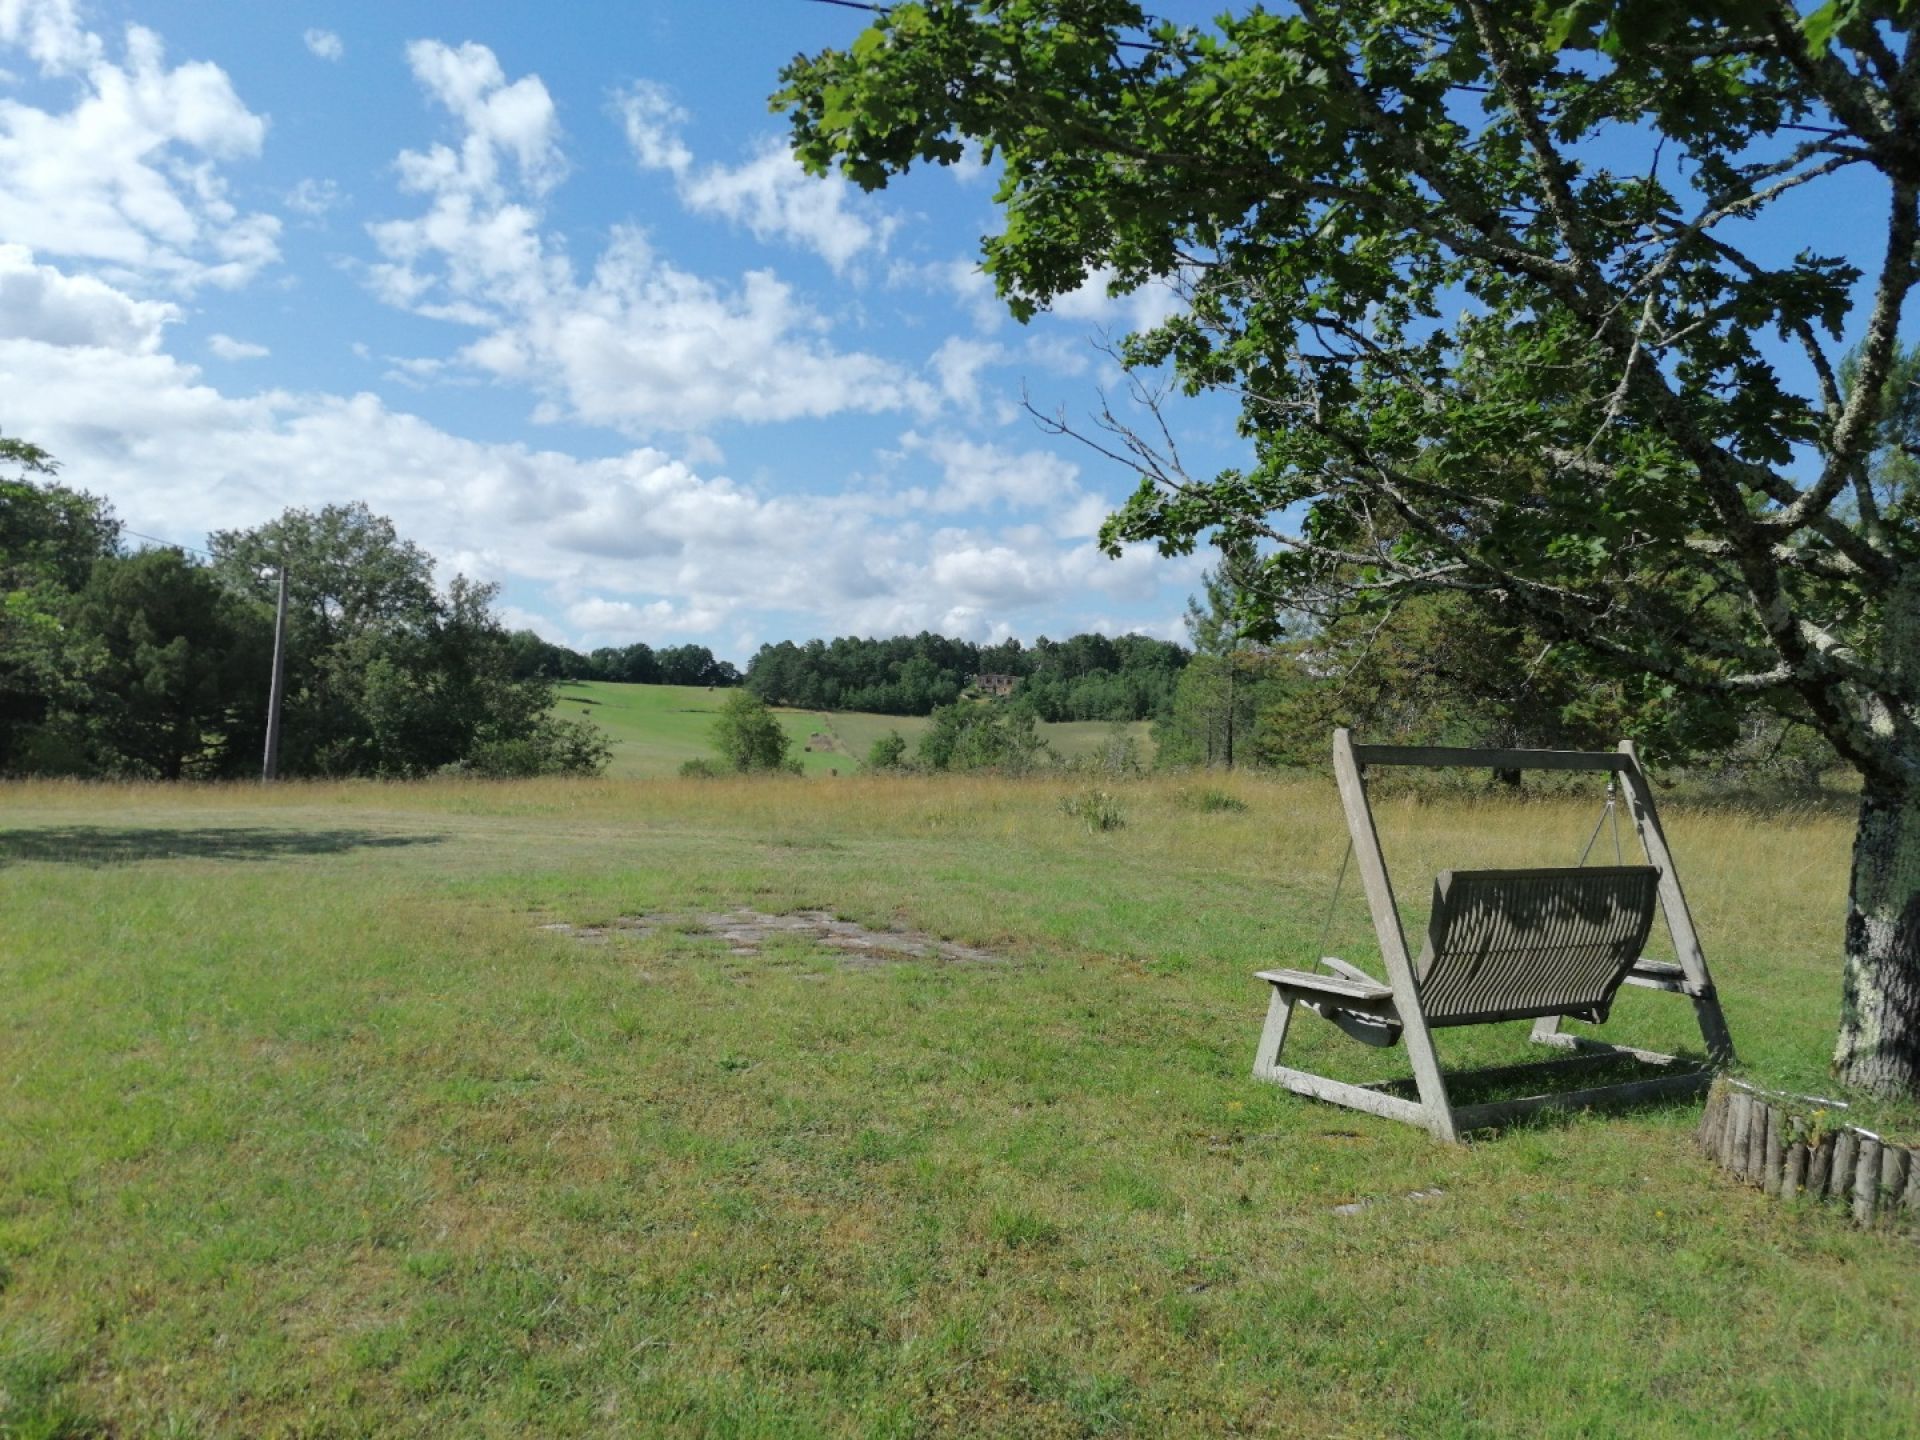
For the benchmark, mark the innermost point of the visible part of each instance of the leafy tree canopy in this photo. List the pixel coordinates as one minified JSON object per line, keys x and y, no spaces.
{"x":177,"y":688}
{"x":748,"y":736}
{"x":50,"y":537}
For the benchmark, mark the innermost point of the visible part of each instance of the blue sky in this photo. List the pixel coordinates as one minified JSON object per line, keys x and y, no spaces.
{"x":542,"y":284}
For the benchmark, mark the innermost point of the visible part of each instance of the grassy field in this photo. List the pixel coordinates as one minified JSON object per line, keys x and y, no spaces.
{"x":308,"y":1128}
{"x":657,"y":728}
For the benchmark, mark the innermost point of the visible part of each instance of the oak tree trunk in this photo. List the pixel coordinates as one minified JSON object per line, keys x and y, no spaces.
{"x":1879,"y":1045}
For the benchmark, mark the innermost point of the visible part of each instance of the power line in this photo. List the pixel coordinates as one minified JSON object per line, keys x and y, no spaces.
{"x":170,"y":544}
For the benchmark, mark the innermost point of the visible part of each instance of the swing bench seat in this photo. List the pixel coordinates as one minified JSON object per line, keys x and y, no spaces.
{"x":1501,"y":945}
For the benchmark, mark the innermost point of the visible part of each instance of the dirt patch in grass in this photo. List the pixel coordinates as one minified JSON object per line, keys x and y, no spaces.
{"x":746,"y":931}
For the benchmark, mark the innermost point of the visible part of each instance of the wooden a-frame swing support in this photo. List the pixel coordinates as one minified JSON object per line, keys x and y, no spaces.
{"x":1502,"y":945}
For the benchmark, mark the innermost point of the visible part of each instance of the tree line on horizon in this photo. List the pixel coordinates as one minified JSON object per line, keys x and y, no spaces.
{"x":1085,"y":677}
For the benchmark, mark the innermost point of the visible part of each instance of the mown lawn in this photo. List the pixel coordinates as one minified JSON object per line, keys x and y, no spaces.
{"x":307,"y":1128}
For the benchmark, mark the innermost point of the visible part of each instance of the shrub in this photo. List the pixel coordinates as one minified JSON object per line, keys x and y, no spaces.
{"x":984,"y":735}
{"x":889,"y":752}
{"x":550,"y":747}
{"x":1117,"y":755}
{"x":748,"y":737}
{"x":1209,"y":801}
{"x":699,"y":770}
{"x":1097,"y":808}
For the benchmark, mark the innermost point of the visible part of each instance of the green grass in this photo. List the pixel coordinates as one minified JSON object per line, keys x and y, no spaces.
{"x":307,"y":1129}
{"x":655,"y":729}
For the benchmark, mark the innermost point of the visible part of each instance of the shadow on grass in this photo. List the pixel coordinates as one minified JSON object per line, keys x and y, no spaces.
{"x":100,"y":845}
{"x":1559,"y":1076}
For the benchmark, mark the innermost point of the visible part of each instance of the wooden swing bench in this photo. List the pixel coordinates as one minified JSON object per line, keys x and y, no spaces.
{"x":1541,"y":945}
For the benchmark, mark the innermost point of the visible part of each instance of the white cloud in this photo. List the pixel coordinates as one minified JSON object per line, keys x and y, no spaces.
{"x":616,"y":620}
{"x":39,"y":302}
{"x":769,"y":194}
{"x":977,"y":476}
{"x":634,"y":545}
{"x":962,"y":280}
{"x":515,"y":119}
{"x":50,"y":31}
{"x":1141,"y":309}
{"x":126,"y":178}
{"x":323,"y":44}
{"x":652,"y":122}
{"x":958,"y":362}
{"x":313,"y":197}
{"x":639,"y":343}
{"x":775,"y":199}
{"x":228,"y":348}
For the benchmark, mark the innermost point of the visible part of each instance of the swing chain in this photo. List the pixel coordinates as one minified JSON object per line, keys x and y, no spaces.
{"x":1610,"y":812}
{"x":1326,"y":926}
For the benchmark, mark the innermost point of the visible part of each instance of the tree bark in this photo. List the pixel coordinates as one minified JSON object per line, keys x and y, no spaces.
{"x":1879,"y":1045}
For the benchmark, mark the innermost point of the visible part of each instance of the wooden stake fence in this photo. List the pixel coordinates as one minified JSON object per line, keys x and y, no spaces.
{"x":1770,"y":1144}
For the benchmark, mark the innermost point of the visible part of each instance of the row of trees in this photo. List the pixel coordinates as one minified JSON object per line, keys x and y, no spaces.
{"x":155,"y":663}
{"x":1087,"y":677}
{"x":536,"y":658}
{"x":1439,"y":670}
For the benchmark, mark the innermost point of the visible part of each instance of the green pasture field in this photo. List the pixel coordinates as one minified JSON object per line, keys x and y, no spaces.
{"x":657,"y":728}
{"x":307,"y":1127}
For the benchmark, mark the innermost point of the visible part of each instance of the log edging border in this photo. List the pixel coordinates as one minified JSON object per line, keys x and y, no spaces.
{"x":1791,"y":1147}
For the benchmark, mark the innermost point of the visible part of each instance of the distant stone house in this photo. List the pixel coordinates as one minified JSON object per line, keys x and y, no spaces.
{"x":996,"y":685}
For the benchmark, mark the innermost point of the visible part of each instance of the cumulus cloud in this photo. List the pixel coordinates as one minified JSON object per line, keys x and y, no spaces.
{"x":958,"y":363}
{"x":969,"y":287}
{"x":38,"y":302}
{"x":769,"y":194}
{"x":638,"y":343}
{"x":1140,"y":309}
{"x":634,"y":545}
{"x":50,"y":32}
{"x":323,"y":44}
{"x":500,"y":119}
{"x":961,"y":280}
{"x":228,"y":348}
{"x":313,"y":197}
{"x":652,"y":122}
{"x":126,"y":178}
{"x":975,"y":476}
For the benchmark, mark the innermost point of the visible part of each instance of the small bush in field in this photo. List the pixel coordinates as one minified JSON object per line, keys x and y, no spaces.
{"x":1209,"y":800}
{"x":699,"y":770}
{"x":1097,"y":807}
{"x":747,"y":737}
{"x":889,"y":752}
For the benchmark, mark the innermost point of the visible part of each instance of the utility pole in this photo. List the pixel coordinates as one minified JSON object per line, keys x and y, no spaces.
{"x":270,"y":766}
{"x":1233,"y":675}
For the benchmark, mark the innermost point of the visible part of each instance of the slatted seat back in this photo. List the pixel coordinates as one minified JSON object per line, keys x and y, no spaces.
{"x":1518,"y":944}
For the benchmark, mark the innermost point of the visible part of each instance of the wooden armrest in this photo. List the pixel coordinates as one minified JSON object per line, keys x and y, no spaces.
{"x":1336,"y":985}
{"x":1658,"y":970}
{"x":1663,"y":975}
{"x":1352,"y":972}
